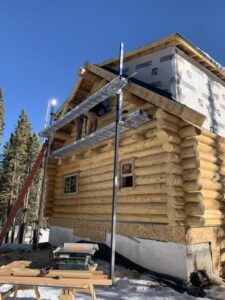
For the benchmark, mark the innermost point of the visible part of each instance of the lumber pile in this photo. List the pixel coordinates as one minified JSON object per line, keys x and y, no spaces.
{"x":21,"y":277}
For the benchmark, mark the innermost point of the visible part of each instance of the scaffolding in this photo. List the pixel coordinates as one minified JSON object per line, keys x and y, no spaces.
{"x":110,"y":89}
{"x":132,"y":121}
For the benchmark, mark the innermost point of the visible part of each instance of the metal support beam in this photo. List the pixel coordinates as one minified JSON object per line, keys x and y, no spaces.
{"x":119,"y":109}
{"x":105,"y":92}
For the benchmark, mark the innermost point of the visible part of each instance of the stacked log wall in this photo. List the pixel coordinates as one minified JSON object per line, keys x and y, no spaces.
{"x":156,"y":198}
{"x":50,"y":186}
{"x":203,"y":173}
{"x":179,"y":181}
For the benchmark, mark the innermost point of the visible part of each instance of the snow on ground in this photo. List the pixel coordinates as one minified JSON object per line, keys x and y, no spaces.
{"x":130,"y":284}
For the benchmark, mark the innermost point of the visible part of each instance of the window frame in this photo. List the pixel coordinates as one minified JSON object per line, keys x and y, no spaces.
{"x":132,"y":174}
{"x":66,"y":176}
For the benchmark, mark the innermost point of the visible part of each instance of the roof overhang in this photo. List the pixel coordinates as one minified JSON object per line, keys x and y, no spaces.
{"x":173,"y":40}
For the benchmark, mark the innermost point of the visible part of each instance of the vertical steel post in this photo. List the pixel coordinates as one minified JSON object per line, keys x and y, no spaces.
{"x":115,"y":175}
{"x":42,"y":196}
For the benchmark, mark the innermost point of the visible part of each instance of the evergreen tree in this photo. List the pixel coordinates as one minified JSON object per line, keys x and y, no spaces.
{"x":7,"y":187}
{"x":35,"y":189}
{"x":19,"y":155}
{"x":2,"y":116}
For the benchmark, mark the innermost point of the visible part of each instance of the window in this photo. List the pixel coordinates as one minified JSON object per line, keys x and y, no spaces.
{"x":70,"y":184}
{"x":126,"y":174}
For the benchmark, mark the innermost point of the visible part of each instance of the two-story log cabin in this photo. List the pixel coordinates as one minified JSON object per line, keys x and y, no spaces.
{"x":171,"y":205}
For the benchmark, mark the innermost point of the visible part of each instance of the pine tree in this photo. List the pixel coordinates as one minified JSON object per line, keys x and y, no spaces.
{"x":7,"y":187}
{"x":2,"y":116}
{"x":35,"y":189}
{"x":19,"y":155}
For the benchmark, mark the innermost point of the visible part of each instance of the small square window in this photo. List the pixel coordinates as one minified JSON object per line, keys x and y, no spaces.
{"x":70,"y":184}
{"x":126,"y":174}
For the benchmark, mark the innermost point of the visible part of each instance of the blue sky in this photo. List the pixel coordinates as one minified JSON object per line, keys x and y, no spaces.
{"x":44,"y":42}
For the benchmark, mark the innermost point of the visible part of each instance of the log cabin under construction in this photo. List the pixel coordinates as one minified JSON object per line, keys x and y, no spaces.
{"x":170,"y":214}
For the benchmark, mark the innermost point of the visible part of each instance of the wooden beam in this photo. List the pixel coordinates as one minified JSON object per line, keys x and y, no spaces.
{"x":52,"y":282}
{"x":62,"y":135}
{"x":166,"y":104}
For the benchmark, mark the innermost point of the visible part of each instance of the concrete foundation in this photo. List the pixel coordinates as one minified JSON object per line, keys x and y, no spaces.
{"x":173,"y":259}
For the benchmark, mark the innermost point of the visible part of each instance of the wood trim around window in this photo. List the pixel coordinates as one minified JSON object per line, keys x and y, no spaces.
{"x":77,"y":182}
{"x":131,"y":160}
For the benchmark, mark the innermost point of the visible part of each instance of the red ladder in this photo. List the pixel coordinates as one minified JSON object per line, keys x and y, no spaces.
{"x":22,"y":194}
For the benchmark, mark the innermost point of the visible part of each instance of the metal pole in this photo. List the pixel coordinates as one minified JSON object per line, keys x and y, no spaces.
{"x":41,"y":206}
{"x":115,"y":176}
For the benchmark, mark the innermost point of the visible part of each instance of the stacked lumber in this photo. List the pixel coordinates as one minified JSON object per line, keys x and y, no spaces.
{"x":203,"y":163}
{"x":20,"y":277}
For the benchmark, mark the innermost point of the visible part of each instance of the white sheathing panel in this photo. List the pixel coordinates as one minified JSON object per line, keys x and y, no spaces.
{"x":187,"y":82}
{"x":201,"y":90}
{"x":161,"y":257}
{"x":156,"y":70}
{"x":177,"y":260}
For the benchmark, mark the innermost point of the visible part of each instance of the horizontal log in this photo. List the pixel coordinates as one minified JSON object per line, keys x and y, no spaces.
{"x":167,"y":125}
{"x":212,"y":135}
{"x":191,"y":174}
{"x":211,"y":142}
{"x":214,"y":204}
{"x":142,"y":209}
{"x":126,"y":141}
{"x":107,"y":147}
{"x":209,"y":166}
{"x":217,"y":195}
{"x":211,"y":185}
{"x":194,"y":209}
{"x":195,"y":221}
{"x":169,"y":147}
{"x":157,"y":159}
{"x":142,"y":189}
{"x":96,"y":186}
{"x":189,"y":142}
{"x":189,"y":131}
{"x":169,"y":168}
{"x":161,"y":114}
{"x":213,"y":213}
{"x":210,"y":175}
{"x":190,"y":163}
{"x":109,"y":167}
{"x":168,"y":136}
{"x":159,"y":178}
{"x":193,"y":197}
{"x":176,"y":214}
{"x":192,"y":186}
{"x":175,"y":202}
{"x":175,"y":191}
{"x":157,"y":198}
{"x":189,"y":152}
{"x":95,"y":178}
{"x":120,"y":217}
